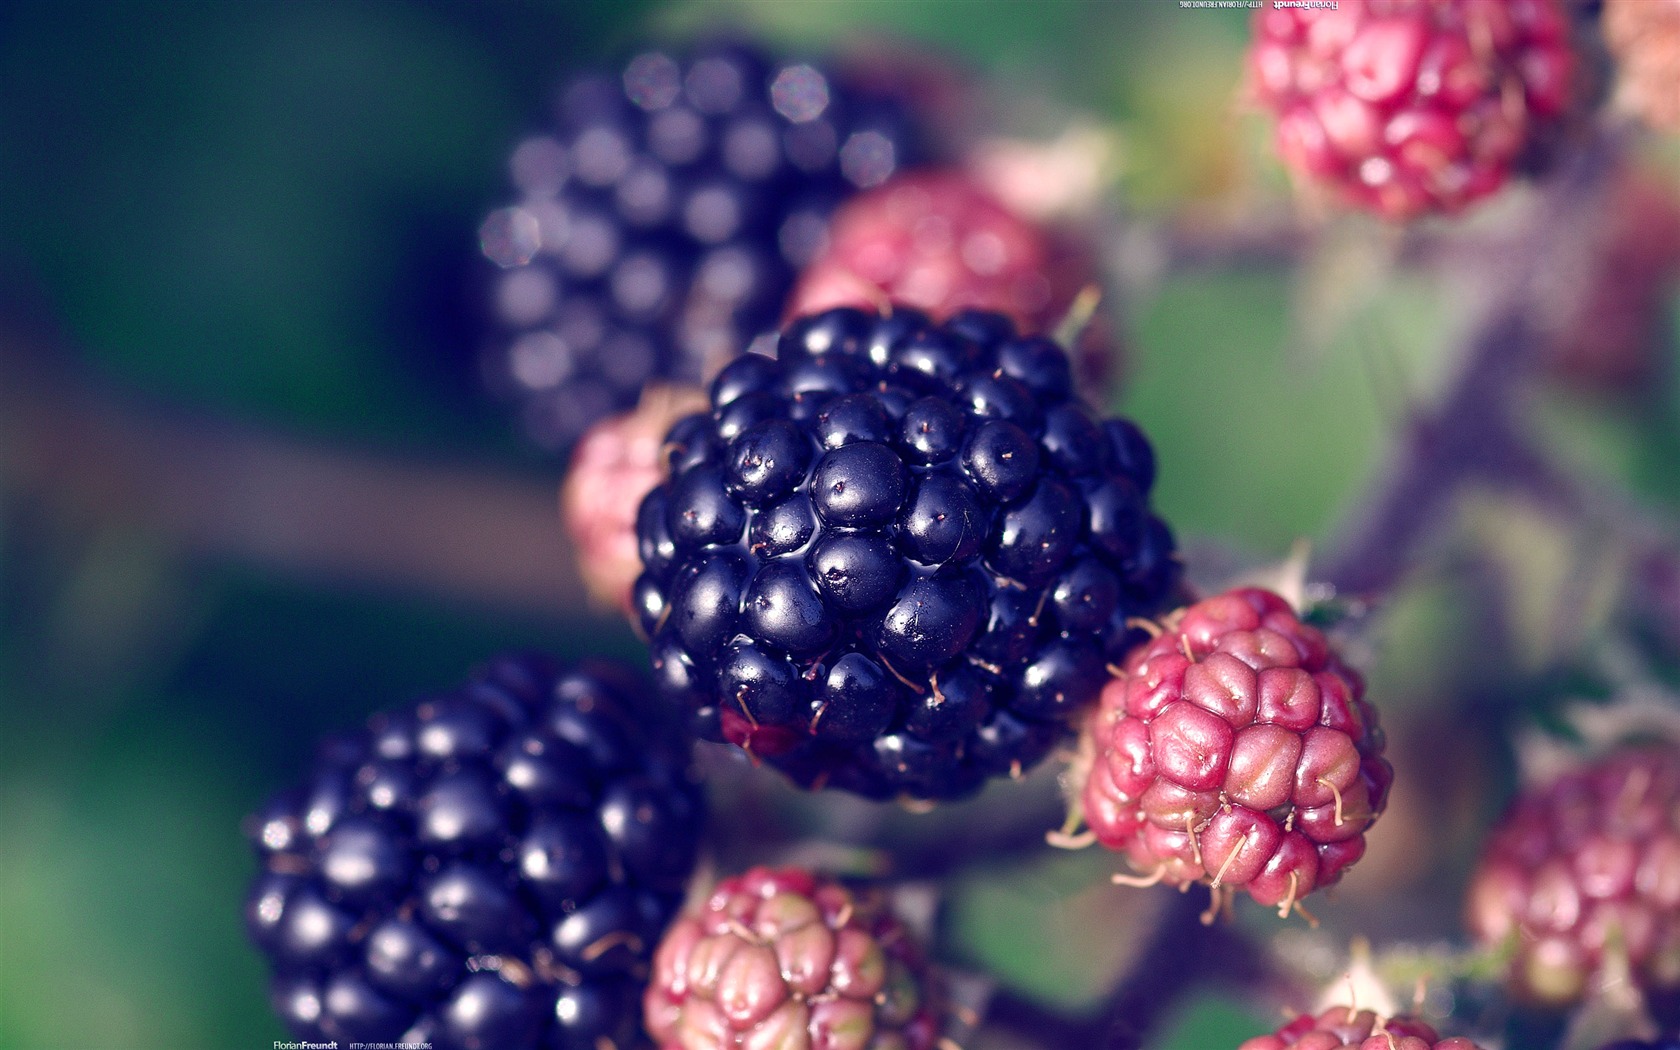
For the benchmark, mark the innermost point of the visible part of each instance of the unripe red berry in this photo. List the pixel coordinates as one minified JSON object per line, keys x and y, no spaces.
{"x":615,"y":465}
{"x":1644,"y":37}
{"x":1404,"y":107}
{"x":1581,"y":868}
{"x":935,"y":240}
{"x":1235,"y":750}
{"x":1343,"y":1028}
{"x":788,"y":960}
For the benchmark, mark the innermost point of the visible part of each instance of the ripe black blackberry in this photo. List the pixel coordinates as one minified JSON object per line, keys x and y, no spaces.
{"x":894,"y":558}
{"x":661,"y":220}
{"x":491,"y":868}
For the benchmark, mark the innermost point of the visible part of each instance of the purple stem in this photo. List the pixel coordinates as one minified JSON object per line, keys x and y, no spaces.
{"x":1471,"y":433}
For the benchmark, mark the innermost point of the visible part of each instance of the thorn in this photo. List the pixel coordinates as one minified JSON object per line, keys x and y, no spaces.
{"x":1079,"y":315}
{"x":844,"y":917}
{"x":1195,"y":843}
{"x":1184,"y":643}
{"x":1116,"y":670}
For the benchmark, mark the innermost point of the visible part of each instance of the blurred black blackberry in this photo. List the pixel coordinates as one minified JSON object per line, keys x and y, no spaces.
{"x":661,"y":221}
{"x":491,"y":868}
{"x":896,"y":557}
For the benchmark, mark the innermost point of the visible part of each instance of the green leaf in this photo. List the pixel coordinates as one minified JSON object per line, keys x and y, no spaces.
{"x":1211,"y":1020}
{"x":1056,"y":929}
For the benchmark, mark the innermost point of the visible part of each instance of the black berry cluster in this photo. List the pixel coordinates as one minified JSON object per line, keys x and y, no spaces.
{"x":660,"y":222}
{"x":491,"y":868}
{"x":893,"y":558}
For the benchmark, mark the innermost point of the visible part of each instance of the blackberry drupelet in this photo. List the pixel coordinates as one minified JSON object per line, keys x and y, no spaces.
{"x":788,"y":959}
{"x":895,"y":558}
{"x":660,"y":221}
{"x":490,"y":868}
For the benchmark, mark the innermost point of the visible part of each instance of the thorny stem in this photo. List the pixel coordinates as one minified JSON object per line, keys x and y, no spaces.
{"x":942,"y":853}
{"x":1181,"y":956}
{"x":1471,"y":433}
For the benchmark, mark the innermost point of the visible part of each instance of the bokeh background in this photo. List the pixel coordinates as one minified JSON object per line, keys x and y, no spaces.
{"x":250,"y":490}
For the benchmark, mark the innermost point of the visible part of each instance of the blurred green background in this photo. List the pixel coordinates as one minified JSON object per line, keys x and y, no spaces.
{"x":256,"y":222}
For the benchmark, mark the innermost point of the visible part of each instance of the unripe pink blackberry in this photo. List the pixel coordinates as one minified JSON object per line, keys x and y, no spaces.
{"x":936,"y":240}
{"x":1236,"y":750}
{"x":1343,"y":1028}
{"x":1404,"y":107}
{"x":614,"y":466}
{"x":1644,"y":37}
{"x":788,"y":960}
{"x":1585,"y":867}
